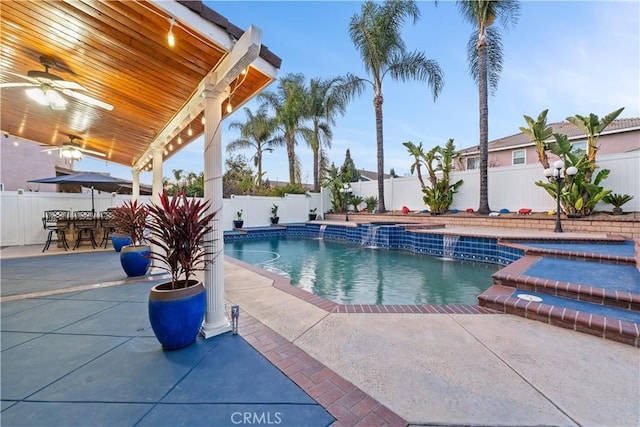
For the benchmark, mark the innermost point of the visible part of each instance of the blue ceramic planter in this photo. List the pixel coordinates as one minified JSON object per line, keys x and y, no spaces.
{"x":176,"y":315}
{"x":119,"y":241}
{"x":135,"y":259}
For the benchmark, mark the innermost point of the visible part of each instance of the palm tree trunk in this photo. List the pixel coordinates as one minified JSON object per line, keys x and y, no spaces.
{"x":377,"y":105}
{"x":292,"y":159}
{"x":259,"y":160}
{"x":484,"y":125}
{"x":316,"y":172}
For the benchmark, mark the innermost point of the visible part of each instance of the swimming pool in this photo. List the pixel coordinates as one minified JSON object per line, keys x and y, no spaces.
{"x":352,"y":274}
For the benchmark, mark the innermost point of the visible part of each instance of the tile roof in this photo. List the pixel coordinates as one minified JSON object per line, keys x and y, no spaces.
{"x":565,"y":128}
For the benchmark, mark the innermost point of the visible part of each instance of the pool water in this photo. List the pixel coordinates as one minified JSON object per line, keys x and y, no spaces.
{"x":350,"y":274}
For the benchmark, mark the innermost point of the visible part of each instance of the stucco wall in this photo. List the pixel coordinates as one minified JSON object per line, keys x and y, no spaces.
{"x":24,"y":161}
{"x":609,"y":144}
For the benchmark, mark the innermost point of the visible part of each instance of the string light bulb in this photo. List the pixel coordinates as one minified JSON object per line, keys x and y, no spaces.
{"x":170,"y":37}
{"x":203,"y":120}
{"x":229,"y":108}
{"x":190,"y":131}
{"x":179,"y":139}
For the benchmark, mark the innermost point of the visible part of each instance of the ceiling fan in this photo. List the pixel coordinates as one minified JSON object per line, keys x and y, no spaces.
{"x":71,"y":150}
{"x":46,"y":88}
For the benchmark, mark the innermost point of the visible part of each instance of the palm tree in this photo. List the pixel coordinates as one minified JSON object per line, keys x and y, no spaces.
{"x":178,"y":175}
{"x":288,"y":105}
{"x":322,"y":106}
{"x":376,"y":35}
{"x":484,"y":53}
{"x":255,"y":133}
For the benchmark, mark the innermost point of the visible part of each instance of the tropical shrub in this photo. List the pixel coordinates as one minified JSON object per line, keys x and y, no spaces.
{"x":617,"y":200}
{"x":581,"y":193}
{"x":438,"y":161}
{"x":355,"y":201}
{"x":179,"y":228}
{"x":131,"y":219}
{"x":371,"y":202}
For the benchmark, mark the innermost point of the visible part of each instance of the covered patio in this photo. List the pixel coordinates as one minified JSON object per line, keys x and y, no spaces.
{"x":133,"y":82}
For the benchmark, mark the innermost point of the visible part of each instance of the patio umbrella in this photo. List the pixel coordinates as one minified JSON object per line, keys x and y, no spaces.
{"x":86,"y":179}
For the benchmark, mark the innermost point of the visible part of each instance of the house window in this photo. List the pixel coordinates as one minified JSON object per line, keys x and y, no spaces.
{"x":519,"y":157}
{"x":473,"y":163}
{"x":579,"y":148}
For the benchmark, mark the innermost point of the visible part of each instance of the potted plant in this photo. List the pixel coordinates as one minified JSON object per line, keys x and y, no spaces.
{"x":131,"y":220}
{"x":179,"y":229}
{"x":238,"y":222}
{"x":617,"y":200}
{"x":274,"y":215}
{"x":312,"y":214}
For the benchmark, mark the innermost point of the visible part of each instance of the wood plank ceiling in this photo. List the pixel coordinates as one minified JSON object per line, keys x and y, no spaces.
{"x":118,"y":51}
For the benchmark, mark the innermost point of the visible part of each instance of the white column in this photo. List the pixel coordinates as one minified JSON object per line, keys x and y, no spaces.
{"x":135,"y":187}
{"x":156,"y":183}
{"x":215,"y":321}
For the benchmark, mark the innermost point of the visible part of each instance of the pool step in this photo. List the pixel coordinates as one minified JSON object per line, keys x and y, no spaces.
{"x":606,"y":322}
{"x":512,"y":276}
{"x":577,"y":251}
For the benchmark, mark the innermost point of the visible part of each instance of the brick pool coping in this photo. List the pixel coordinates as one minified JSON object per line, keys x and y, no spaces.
{"x":348,"y":404}
{"x":499,"y":297}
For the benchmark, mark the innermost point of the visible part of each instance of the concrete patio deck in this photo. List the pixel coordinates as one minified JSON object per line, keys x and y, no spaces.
{"x":372,"y":369}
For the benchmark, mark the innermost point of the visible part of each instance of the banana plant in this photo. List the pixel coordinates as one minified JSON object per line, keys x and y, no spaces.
{"x":581,"y":193}
{"x":438,"y":162}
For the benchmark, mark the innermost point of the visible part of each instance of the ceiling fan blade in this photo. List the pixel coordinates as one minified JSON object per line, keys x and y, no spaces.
{"x":63,"y":84}
{"x":95,"y":153}
{"x":4,"y":85}
{"x":87,"y":99}
{"x":22,"y":76}
{"x":51,"y":149}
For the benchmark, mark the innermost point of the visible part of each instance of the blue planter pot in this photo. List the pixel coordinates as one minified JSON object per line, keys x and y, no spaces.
{"x":119,"y":241}
{"x":177,"y":314}
{"x":135,"y":259}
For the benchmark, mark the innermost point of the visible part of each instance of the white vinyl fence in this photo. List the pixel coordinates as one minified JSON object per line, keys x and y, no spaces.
{"x":21,"y":211}
{"x":509,"y":187}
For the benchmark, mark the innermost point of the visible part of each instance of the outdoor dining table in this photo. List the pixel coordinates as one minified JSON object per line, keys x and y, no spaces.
{"x":73,"y":226}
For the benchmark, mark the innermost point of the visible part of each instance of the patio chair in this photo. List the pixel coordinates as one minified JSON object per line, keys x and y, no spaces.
{"x":56,"y":221}
{"x":85,"y":223}
{"x":107,"y":221}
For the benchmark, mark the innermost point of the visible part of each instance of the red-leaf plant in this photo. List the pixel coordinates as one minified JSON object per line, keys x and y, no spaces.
{"x":131,"y":219}
{"x":180,"y":228}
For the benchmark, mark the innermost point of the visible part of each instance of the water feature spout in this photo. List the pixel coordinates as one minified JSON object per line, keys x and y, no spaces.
{"x":449,"y":246}
{"x":369,"y":238}
{"x":323,"y":227}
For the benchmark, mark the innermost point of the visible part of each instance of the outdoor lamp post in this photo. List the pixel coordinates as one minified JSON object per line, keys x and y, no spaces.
{"x":346,"y":189}
{"x":555,"y":174}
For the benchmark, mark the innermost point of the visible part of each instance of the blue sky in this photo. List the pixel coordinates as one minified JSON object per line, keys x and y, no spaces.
{"x":572,"y":57}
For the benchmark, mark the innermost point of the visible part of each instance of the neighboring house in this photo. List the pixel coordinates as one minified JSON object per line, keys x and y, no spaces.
{"x":620,"y":136}
{"x":370,"y":175}
{"x":22,"y":160}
